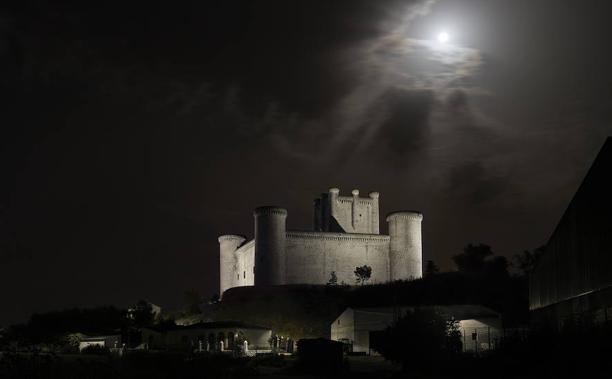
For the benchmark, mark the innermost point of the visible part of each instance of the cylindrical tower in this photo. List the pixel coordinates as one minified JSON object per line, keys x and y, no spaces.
{"x":228,"y":244}
{"x":270,"y":236}
{"x":406,"y":247}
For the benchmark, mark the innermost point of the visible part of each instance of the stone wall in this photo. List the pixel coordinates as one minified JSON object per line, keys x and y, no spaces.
{"x":244,"y":272}
{"x":312,"y":256}
{"x":228,"y":244}
{"x":350,"y":214}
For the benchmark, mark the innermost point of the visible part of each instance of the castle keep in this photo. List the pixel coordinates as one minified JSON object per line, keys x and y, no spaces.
{"x":346,"y":235}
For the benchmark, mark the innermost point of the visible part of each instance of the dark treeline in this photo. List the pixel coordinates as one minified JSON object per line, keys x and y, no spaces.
{"x":54,"y":327}
{"x":45,"y":327}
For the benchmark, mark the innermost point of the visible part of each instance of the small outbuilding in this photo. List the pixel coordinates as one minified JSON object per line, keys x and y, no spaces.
{"x":480,"y":326}
{"x":209,"y":336}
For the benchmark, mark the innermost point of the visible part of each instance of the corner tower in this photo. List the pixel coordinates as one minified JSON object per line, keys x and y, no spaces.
{"x":270,"y":236}
{"x":228,"y":244}
{"x":405,"y":247}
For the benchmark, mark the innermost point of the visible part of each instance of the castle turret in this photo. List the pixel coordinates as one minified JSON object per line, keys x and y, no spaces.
{"x":270,"y":235}
{"x":228,"y":244}
{"x":406,"y":249}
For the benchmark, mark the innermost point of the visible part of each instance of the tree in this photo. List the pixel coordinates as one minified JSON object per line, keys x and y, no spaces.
{"x":363,"y":273}
{"x":525,"y":261}
{"x":333,"y":279}
{"x":192,"y":299}
{"x":473,"y":258}
{"x":478,"y":259}
{"x":431,"y":268}
{"x":421,"y":338}
{"x":214,"y":299}
{"x":142,"y":314}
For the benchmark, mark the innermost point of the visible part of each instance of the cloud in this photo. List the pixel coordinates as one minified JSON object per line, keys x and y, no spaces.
{"x":472,"y":181}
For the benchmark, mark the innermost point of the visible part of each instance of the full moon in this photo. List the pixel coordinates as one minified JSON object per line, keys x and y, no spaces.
{"x":443,"y":37}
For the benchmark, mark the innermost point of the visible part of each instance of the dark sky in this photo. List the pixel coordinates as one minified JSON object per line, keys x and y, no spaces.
{"x":131,"y":137}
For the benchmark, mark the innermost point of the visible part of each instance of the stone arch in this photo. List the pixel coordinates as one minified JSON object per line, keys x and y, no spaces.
{"x":230,"y":340}
{"x":211,"y":342}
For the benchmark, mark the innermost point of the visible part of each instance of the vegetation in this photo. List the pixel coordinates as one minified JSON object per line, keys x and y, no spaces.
{"x":96,"y":350}
{"x":142,"y":314}
{"x":421,"y":338}
{"x":54,"y":327}
{"x":306,"y":311}
{"x":192,"y":300}
{"x":214,"y":299}
{"x":363,"y":274}
{"x":525,"y":261}
{"x":431,"y":268}
{"x":333,"y":279}
{"x":479,"y":259}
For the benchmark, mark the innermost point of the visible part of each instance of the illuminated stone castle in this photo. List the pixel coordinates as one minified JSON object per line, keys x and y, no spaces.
{"x":346,"y":235}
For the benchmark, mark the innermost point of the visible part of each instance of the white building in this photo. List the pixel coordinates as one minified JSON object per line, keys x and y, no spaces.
{"x":346,"y":235}
{"x":480,"y":327}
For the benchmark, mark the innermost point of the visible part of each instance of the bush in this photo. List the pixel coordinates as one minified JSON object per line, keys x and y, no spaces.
{"x":96,"y":350}
{"x":421,"y":338}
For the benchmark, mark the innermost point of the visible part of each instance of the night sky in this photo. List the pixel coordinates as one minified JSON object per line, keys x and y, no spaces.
{"x":131,"y":136}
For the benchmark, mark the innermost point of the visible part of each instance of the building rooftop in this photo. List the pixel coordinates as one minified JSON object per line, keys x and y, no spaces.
{"x":206,"y":325}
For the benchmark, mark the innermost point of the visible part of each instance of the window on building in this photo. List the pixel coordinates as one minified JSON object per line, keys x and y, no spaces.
{"x":244,"y":274}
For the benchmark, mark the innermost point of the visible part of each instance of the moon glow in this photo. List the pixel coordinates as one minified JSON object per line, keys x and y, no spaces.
{"x":443,"y":37}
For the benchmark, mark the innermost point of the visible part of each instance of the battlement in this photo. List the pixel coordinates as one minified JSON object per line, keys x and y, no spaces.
{"x":412,"y":215}
{"x":293,"y":234}
{"x":270,"y":210}
{"x":231,"y":238}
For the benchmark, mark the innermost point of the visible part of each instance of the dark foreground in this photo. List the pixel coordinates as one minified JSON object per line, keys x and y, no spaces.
{"x":589,"y":363}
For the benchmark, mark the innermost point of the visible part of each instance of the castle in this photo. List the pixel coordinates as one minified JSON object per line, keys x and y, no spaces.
{"x":346,"y":235}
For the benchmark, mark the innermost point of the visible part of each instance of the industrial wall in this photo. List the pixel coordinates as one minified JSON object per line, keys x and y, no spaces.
{"x":312,"y":256}
{"x":578,"y":258}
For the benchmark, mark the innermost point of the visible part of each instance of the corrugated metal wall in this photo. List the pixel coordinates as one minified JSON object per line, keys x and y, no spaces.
{"x":578,"y":256}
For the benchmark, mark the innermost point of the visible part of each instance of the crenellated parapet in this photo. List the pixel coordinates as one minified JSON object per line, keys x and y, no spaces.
{"x":411,"y":215}
{"x":269,"y":210}
{"x":231,"y":238}
{"x":355,"y":237}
